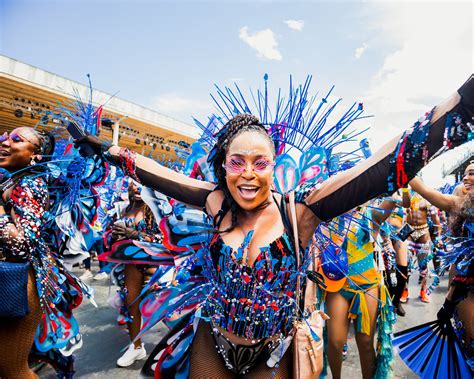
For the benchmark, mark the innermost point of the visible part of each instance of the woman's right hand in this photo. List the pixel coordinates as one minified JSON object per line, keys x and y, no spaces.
{"x":89,"y":145}
{"x":120,"y":232}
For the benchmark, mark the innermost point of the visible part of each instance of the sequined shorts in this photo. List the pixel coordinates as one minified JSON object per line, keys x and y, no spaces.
{"x":419,"y":231}
{"x":241,"y":358}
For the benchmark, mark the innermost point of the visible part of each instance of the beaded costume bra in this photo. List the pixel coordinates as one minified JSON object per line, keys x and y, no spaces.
{"x":252,"y":301}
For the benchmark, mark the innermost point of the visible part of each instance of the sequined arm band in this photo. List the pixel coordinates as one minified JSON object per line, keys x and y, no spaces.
{"x":127,"y":159}
{"x":395,"y":164}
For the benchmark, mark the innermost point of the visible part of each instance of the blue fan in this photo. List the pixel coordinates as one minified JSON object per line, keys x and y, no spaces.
{"x":431,"y":350}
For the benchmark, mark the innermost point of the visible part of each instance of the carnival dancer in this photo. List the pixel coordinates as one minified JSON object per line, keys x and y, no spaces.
{"x":395,"y":253}
{"x":248,"y":268}
{"x":359,"y":292}
{"x":459,"y":303}
{"x":136,"y":223}
{"x":419,"y":242}
{"x":26,"y":236}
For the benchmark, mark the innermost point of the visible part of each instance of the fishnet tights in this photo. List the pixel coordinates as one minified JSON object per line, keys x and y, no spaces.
{"x":206,"y":363}
{"x":17,"y":337}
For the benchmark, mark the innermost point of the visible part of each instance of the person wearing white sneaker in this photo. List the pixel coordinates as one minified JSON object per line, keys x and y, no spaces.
{"x":86,"y":275}
{"x":101,"y":275}
{"x":133,"y":353}
{"x":136,"y":223}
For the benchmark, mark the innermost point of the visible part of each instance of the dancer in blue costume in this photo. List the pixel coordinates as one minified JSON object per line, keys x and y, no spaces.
{"x":135,"y":223}
{"x":457,"y":360}
{"x":28,"y":235}
{"x":243,"y":277}
{"x":49,"y":199}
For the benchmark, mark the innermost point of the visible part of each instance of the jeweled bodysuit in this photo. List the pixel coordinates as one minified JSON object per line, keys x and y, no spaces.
{"x":253,"y":302}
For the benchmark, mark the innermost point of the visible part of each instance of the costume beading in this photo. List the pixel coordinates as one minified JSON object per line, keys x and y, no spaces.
{"x":54,"y":202}
{"x":189,"y":234}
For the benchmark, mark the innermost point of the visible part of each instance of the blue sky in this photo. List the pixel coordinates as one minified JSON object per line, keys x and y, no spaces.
{"x":399,"y":58}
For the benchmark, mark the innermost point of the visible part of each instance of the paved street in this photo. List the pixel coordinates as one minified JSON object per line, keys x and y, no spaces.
{"x":104,"y":339}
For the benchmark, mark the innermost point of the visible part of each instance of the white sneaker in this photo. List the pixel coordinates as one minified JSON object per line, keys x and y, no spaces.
{"x":131,"y":355}
{"x":101,"y":275}
{"x":87,"y":275}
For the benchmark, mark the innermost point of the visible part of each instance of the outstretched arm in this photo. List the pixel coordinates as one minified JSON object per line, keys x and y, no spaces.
{"x":397,"y":162}
{"x":438,"y":199}
{"x":171,"y":183}
{"x":148,"y":172}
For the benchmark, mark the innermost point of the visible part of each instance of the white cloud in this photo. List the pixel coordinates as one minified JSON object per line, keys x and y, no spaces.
{"x":182,"y":108}
{"x":431,"y":59}
{"x":295,"y":24}
{"x":360,"y":50}
{"x":263,"y":41}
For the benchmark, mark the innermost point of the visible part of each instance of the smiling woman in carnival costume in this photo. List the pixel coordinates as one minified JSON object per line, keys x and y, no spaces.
{"x":459,"y":303}
{"x":48,"y":195}
{"x":27,"y":236}
{"x":240,"y":274}
{"x":21,"y":220}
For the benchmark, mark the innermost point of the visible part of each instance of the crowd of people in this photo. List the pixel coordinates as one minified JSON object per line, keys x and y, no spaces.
{"x":226,"y":250}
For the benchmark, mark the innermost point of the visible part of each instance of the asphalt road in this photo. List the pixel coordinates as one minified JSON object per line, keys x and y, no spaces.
{"x":104,"y":339}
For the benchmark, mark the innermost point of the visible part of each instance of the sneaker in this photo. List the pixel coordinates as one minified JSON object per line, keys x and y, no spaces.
{"x":86,"y":275}
{"x":101,"y":275}
{"x":121,"y":319}
{"x":131,"y":355}
{"x":424,"y":297}
{"x":404,"y":297}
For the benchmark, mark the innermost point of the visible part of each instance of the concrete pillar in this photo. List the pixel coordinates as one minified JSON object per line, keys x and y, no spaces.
{"x":115,"y":139}
{"x":115,"y":133}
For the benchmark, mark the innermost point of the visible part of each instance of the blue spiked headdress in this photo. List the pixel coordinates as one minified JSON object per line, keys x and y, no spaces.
{"x":298,"y":125}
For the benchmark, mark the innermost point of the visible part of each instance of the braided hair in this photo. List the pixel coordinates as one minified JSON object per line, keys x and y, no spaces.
{"x":47,"y":144}
{"x":234,"y":127}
